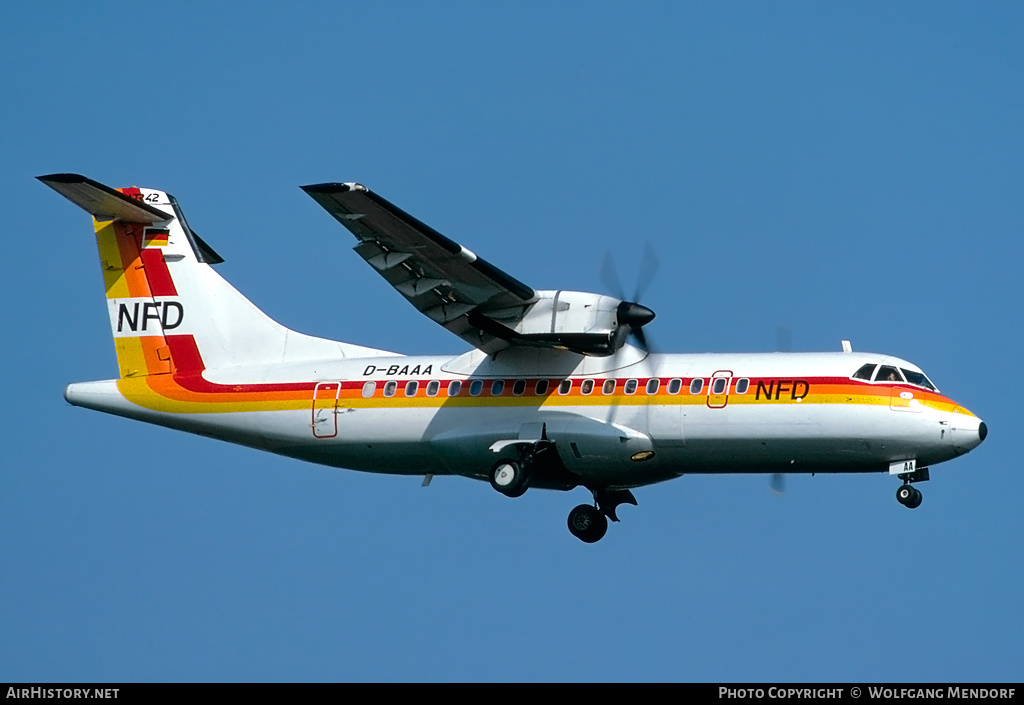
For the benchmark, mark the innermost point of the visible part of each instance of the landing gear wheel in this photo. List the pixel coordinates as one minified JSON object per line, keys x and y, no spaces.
{"x":916,"y":500}
{"x":587,"y":523}
{"x":904,"y":494}
{"x":509,"y":478}
{"x":909,"y":497}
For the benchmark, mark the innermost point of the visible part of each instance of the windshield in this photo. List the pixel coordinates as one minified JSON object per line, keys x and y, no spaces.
{"x":889,"y":373}
{"x":865,"y":371}
{"x":919,"y":379}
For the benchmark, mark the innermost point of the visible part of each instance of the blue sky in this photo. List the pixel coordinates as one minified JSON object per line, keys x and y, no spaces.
{"x":838,"y":170}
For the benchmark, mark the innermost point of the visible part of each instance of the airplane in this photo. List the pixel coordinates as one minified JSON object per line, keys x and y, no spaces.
{"x":558,"y":391}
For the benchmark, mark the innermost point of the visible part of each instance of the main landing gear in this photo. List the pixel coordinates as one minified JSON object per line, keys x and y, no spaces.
{"x":538,"y":464}
{"x":589,"y":523}
{"x":537,"y":461}
{"x":511,"y":477}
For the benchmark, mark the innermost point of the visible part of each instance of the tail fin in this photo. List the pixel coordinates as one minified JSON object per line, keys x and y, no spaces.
{"x":169,"y":311}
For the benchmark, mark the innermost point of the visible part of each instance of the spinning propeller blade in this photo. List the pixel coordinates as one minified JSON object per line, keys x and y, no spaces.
{"x":632,"y":315}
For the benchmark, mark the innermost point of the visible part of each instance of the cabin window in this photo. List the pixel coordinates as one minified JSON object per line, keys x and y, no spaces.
{"x":411,"y":388}
{"x":742,"y":385}
{"x":653,"y":384}
{"x":542,"y":387}
{"x":587,"y":387}
{"x":497,"y":387}
{"x":519,"y":387}
{"x":390,"y":388}
{"x":433,"y":387}
{"x":369,"y":389}
{"x":918,"y":378}
{"x":719,"y":385}
{"x":564,"y":386}
{"x":696,"y":385}
{"x":475,"y":387}
{"x":888,"y":373}
{"x":608,"y":387}
{"x":674,"y":385}
{"x":630,"y":387}
{"x":865,"y":371}
{"x":454,"y":387}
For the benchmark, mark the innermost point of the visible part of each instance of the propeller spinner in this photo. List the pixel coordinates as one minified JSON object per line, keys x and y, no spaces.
{"x":632,"y":316}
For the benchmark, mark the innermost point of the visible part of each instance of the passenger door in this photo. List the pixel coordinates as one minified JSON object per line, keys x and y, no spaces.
{"x":325,"y":409}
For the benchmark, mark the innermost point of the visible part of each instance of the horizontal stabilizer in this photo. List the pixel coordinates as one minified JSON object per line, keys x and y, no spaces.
{"x":103,"y":202}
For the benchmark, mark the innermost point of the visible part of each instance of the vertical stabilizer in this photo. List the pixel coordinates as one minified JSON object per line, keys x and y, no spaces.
{"x":169,"y":311}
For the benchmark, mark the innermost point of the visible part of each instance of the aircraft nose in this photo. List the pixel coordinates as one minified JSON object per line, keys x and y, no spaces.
{"x":969,"y":432}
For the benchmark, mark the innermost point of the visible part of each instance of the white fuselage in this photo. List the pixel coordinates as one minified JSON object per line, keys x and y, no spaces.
{"x":796,"y":412}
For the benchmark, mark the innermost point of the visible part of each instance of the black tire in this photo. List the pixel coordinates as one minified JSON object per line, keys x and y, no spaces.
{"x":905,"y":495}
{"x":916,"y":500}
{"x":587,"y":523}
{"x":509,"y":478}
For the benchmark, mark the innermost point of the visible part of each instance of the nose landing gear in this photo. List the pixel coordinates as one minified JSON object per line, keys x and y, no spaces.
{"x":909,"y":497}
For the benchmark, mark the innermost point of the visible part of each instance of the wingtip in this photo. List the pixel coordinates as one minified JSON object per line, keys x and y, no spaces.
{"x":334,"y":187}
{"x":62,"y":178}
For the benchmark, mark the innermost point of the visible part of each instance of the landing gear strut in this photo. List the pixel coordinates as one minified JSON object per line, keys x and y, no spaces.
{"x":589,"y":523}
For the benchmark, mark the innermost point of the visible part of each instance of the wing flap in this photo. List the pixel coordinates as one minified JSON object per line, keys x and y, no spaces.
{"x":442,"y":279}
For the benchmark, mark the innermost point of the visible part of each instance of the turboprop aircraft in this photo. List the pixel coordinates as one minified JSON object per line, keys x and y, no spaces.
{"x":552,"y":395}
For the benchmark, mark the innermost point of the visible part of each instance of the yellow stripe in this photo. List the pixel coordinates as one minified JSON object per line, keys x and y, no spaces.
{"x":110,"y":260}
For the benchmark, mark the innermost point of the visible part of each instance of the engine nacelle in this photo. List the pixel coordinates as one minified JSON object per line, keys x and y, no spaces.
{"x":570,"y":312}
{"x":587,"y":323}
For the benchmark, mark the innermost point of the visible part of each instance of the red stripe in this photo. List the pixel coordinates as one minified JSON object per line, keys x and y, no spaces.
{"x":189,"y":366}
{"x":184,"y":354}
{"x":160,"y":283}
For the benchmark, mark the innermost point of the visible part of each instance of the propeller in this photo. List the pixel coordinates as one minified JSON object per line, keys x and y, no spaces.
{"x":783,"y":343}
{"x":631,"y":315}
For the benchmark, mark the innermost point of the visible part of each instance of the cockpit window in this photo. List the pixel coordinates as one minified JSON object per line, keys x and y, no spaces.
{"x":865,"y":371}
{"x":918,"y":378}
{"x":888,"y":373}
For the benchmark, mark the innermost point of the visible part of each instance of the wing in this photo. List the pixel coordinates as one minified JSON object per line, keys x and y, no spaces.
{"x":443,"y":280}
